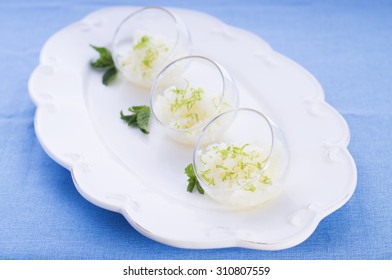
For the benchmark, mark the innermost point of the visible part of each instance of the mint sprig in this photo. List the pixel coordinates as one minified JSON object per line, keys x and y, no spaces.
{"x":140,"y":117}
{"x":105,"y":61}
{"x":192,"y":180}
{"x":109,"y":75}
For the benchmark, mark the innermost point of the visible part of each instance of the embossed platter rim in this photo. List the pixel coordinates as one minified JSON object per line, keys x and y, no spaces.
{"x":94,"y":145}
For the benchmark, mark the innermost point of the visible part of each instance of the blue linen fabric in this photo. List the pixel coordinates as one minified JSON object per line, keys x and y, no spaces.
{"x":347,"y":45}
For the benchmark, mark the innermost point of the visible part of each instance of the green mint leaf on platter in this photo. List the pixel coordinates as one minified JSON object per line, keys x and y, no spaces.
{"x":105,"y":58}
{"x":192,"y":180}
{"x":109,"y":75}
{"x":140,"y":117}
{"x":105,"y":62}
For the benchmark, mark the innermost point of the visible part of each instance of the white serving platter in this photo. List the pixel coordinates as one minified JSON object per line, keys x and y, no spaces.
{"x":142,"y":176}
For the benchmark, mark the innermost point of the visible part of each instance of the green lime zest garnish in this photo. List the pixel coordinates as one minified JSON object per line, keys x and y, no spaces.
{"x":144,"y":41}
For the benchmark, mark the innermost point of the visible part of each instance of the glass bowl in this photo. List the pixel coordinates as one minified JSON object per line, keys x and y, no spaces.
{"x":188,"y":93}
{"x":146,"y":41}
{"x":241,"y":158}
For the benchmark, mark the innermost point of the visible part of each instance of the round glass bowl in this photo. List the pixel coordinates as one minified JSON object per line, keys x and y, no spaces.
{"x":241,"y":158}
{"x":188,"y":93}
{"x":146,"y":41}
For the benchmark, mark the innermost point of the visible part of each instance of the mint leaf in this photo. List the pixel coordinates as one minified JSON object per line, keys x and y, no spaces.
{"x":199,"y":188}
{"x":140,"y":117}
{"x":109,"y":75}
{"x":130,"y":119}
{"x":190,"y":171}
{"x":192,"y":180}
{"x":105,"y":61}
{"x":191,"y":184}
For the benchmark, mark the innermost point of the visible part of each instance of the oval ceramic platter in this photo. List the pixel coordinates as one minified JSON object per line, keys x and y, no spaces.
{"x":142,"y":176}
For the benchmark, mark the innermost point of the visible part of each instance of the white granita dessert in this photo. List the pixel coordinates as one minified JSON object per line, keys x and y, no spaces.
{"x":184,"y":108}
{"x":234,"y":174}
{"x":147,"y":57}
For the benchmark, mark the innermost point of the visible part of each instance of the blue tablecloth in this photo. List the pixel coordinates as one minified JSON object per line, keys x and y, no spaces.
{"x":347,"y":45}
